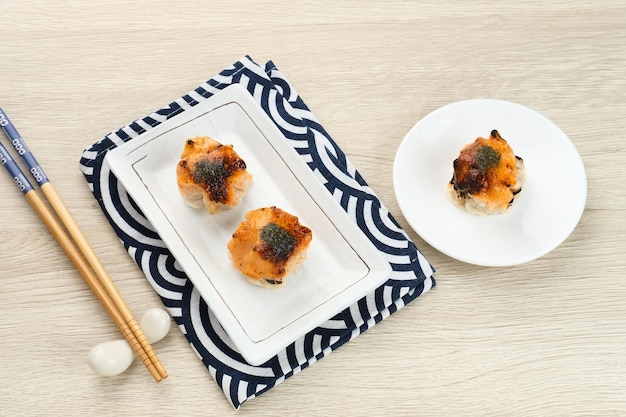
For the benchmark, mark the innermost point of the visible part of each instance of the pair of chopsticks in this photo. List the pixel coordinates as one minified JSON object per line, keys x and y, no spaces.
{"x":87,"y":264}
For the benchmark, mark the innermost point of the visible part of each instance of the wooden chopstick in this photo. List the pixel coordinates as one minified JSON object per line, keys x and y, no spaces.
{"x":105,"y":280}
{"x":92,"y":280}
{"x":91,"y":270}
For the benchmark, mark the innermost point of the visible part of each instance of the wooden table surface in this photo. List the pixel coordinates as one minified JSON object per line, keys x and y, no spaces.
{"x":546,"y":338}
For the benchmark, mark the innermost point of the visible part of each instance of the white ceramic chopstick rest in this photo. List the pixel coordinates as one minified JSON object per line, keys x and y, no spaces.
{"x":110,"y":358}
{"x":155,"y":324}
{"x":114,"y":357}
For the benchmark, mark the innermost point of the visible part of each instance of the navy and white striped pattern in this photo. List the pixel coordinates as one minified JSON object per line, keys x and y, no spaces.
{"x":412,"y":274}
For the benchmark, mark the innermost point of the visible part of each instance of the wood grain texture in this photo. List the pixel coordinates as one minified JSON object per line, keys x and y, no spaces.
{"x":543,"y":338}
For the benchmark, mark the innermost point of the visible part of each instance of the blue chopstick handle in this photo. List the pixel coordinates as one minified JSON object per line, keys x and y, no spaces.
{"x":22,"y":150}
{"x":14,"y":171}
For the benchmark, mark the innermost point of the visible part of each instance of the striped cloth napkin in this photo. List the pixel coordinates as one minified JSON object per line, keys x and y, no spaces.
{"x":411,"y":276}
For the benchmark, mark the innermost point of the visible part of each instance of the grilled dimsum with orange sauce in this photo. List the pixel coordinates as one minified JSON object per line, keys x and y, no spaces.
{"x":268,"y":246}
{"x":211,"y":175}
{"x":487,"y":176}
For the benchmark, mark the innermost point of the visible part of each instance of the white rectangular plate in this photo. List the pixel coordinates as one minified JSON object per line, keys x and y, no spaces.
{"x":341,"y":267}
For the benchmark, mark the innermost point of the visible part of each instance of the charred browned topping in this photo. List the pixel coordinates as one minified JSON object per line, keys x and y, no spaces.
{"x":472,"y":166}
{"x":277,"y":243}
{"x":468,"y":179}
{"x":279,"y":239}
{"x":213,"y":171}
{"x":212,"y":175}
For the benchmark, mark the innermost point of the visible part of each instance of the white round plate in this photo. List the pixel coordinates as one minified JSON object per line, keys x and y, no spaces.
{"x":541,"y":218}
